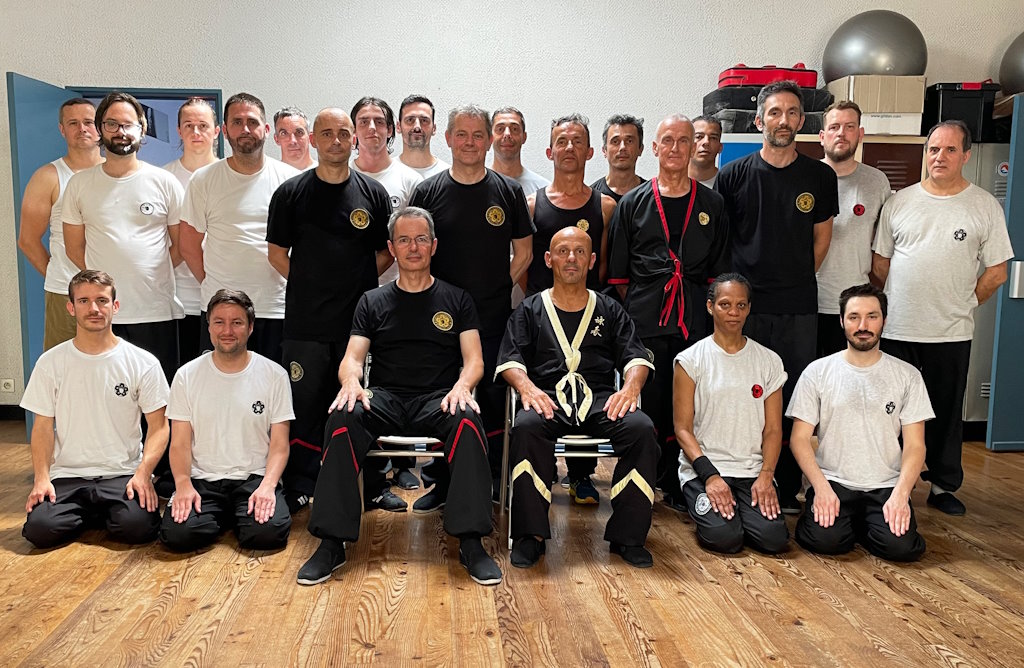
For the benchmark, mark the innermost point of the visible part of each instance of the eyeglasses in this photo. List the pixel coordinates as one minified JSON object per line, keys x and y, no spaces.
{"x":114,"y":126}
{"x":421,"y":240}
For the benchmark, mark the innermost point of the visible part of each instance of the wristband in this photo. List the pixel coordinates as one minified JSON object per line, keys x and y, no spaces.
{"x":704,"y":469}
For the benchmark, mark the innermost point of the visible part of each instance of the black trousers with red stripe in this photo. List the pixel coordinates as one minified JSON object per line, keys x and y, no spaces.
{"x":350,"y":435}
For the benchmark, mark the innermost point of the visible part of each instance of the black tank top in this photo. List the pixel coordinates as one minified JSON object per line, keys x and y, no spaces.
{"x":548,"y":219}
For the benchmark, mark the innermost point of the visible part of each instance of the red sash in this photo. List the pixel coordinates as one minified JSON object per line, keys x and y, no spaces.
{"x":674,"y":287}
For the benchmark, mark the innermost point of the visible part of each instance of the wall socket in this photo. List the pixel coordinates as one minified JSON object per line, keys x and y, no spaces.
{"x":6,"y":385}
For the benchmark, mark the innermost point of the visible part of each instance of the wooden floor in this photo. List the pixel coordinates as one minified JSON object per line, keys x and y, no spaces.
{"x":403,"y":598}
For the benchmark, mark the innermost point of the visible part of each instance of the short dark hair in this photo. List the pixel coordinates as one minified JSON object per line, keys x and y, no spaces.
{"x":73,"y":102}
{"x":951,"y":123}
{"x":574,"y":118}
{"x":94,"y":276}
{"x":115,"y":97}
{"x":707,"y":118}
{"x":196,"y":101}
{"x":236,"y":297}
{"x":841,"y":105}
{"x":623,"y":119}
{"x":865,"y":290}
{"x":776,"y":87}
{"x":389,"y":114}
{"x":729,"y":277}
{"x":288,"y":112}
{"x":416,"y":99}
{"x":509,"y":110}
{"x":245,"y":98}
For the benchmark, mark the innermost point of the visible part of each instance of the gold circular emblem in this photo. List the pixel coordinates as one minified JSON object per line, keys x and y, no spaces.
{"x":583,"y":224}
{"x":359,"y":218}
{"x":443,"y":321}
{"x":295,"y":371}
{"x":703,"y":218}
{"x":805,"y":202}
{"x":495,"y":216}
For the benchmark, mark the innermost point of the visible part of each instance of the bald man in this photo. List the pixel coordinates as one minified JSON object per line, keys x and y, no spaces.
{"x":333,"y":222}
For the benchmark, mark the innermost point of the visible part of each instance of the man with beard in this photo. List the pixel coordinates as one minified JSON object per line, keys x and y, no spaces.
{"x":416,"y":116}
{"x":668,"y":240}
{"x":291,"y":133}
{"x":224,"y":239}
{"x":780,"y":205}
{"x":622,"y":142}
{"x":508,"y":132}
{"x":40,"y":211}
{"x":327,"y":234}
{"x":862,"y":400}
{"x":122,"y":216}
{"x":862,"y":192}
{"x":230,"y":440}
{"x":707,"y":145}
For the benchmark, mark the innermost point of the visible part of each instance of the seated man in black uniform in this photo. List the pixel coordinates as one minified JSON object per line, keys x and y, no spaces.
{"x":420,"y":331}
{"x":567,"y":386}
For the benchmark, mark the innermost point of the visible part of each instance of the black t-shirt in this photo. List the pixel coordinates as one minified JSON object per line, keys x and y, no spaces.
{"x":475,"y":225}
{"x":334,"y":231}
{"x":548,"y":219}
{"x":772,"y":214}
{"x":414,"y":336}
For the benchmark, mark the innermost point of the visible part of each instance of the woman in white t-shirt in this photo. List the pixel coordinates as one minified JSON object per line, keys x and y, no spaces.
{"x":727,"y":408}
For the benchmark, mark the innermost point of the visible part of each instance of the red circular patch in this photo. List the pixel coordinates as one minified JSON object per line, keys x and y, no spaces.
{"x":757,"y":391}
{"x":858,"y":209}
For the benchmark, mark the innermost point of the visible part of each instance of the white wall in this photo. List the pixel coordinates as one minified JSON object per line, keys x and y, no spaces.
{"x":548,"y":58}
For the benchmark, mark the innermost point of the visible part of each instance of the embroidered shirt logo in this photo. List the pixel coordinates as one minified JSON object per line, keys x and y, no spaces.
{"x":359,"y":218}
{"x":495,"y":216}
{"x":890,"y":407}
{"x":805,"y":202}
{"x":960,"y":234}
{"x":258,"y":407}
{"x":121,"y":390}
{"x":757,"y":391}
{"x":147,"y":209}
{"x":295,"y":371}
{"x":583,"y":224}
{"x":443,"y":321}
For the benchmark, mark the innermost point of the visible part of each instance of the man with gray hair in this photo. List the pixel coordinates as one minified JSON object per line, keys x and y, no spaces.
{"x":291,"y":133}
{"x":622,"y":142}
{"x":508,"y":130}
{"x":478,"y":214}
{"x":423,"y":335}
{"x":332,"y":221}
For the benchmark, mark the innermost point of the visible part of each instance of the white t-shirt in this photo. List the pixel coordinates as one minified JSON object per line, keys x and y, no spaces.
{"x":859,"y":412}
{"x":937,"y":245}
{"x":399,"y":180}
{"x":861,"y":196}
{"x":532,"y":181}
{"x":185,"y":284}
{"x":97,"y":402}
{"x":60,"y":269}
{"x":710,"y":183}
{"x":728,"y":404}
{"x":230,"y":414}
{"x":231,"y":210}
{"x":436,"y":168}
{"x":126,"y":221}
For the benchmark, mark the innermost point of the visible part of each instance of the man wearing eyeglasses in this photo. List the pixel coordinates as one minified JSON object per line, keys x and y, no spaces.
{"x":122,"y":216}
{"x":326,"y":234}
{"x":291,"y":133}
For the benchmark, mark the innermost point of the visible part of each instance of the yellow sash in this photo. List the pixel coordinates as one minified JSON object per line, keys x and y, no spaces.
{"x":572,"y":357}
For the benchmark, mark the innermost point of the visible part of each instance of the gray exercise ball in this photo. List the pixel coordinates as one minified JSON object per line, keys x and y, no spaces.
{"x":1011,"y":69}
{"x":875,"y":42}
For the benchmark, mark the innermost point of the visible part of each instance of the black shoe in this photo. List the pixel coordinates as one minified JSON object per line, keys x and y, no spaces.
{"x":296,"y":503}
{"x":789,"y":505}
{"x":565,"y":481}
{"x":329,"y":557}
{"x":634,"y":555}
{"x":405,"y":479}
{"x":481,"y":567}
{"x":946,"y":503}
{"x":430,"y":502}
{"x":386,"y":500}
{"x":526,"y":551}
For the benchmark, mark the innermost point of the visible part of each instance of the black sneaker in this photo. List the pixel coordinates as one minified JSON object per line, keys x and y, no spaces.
{"x":296,"y":503}
{"x":565,"y":481}
{"x":790,"y":505}
{"x":526,"y":551}
{"x":329,"y":557}
{"x":430,"y":502}
{"x":405,"y":479}
{"x":386,"y":500}
{"x":634,"y":555}
{"x":946,"y":503}
{"x":481,"y":567}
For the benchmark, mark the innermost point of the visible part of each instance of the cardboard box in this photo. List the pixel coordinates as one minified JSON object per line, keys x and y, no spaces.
{"x":891,"y":124}
{"x":876,"y":93}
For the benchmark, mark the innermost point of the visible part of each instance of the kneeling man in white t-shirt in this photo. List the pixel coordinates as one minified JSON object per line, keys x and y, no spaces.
{"x":231,"y":410}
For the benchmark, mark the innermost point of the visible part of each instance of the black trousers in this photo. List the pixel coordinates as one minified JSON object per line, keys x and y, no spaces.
{"x":313,"y":368}
{"x":267,"y":336}
{"x":944,"y":369}
{"x":189,"y":329}
{"x":533,"y":467}
{"x":349,"y":436}
{"x":84,"y":503}
{"x":747,"y":526}
{"x":794,"y":338}
{"x":860,"y":520}
{"x":225,"y":506}
{"x":831,"y":337}
{"x":657,"y":402}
